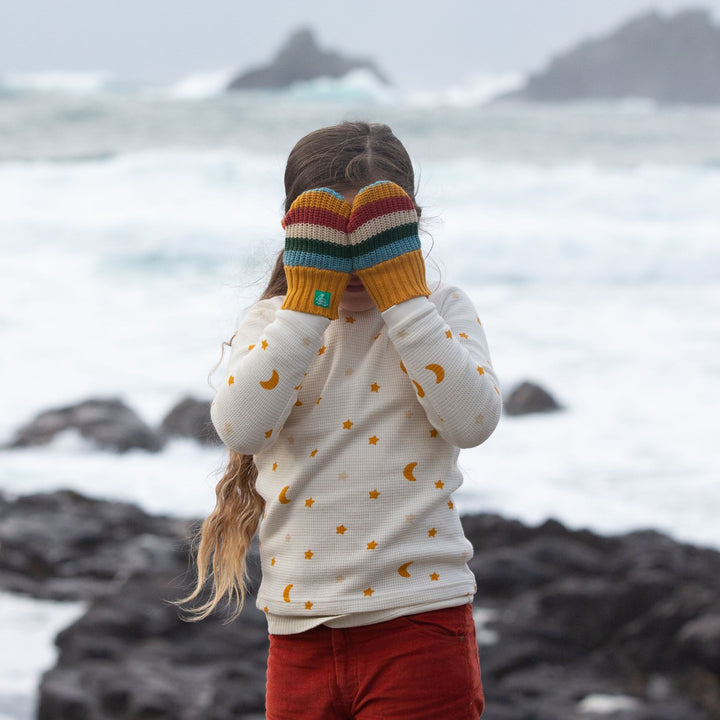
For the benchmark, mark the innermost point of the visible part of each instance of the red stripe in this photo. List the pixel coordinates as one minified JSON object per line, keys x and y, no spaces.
{"x":374,"y":209}
{"x":316,"y":216}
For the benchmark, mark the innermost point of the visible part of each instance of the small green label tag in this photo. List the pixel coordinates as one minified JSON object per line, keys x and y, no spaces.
{"x":322,"y":299}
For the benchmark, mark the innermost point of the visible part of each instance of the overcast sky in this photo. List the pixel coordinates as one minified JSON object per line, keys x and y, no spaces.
{"x":416,"y":42}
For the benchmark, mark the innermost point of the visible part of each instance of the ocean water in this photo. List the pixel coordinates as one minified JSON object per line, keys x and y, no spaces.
{"x":138,"y":222}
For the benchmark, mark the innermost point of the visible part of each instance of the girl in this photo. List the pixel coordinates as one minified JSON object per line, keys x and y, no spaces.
{"x":350,"y":389}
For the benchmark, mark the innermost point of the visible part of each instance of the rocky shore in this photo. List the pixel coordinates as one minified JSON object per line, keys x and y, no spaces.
{"x":571,"y":624}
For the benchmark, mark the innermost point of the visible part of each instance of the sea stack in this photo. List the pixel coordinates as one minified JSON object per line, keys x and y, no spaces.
{"x":301,"y":59}
{"x":669,"y":59}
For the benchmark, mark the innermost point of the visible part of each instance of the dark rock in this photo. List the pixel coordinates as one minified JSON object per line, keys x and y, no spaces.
{"x":672,"y":59}
{"x":190,"y":418}
{"x":108,"y":423}
{"x":634,"y":617}
{"x":64,"y":546}
{"x":301,"y":59}
{"x":529,"y":398}
{"x":700,"y":639}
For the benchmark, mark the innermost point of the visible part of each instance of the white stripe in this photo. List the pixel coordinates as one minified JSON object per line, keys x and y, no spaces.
{"x":381,"y":223}
{"x":309,"y":230}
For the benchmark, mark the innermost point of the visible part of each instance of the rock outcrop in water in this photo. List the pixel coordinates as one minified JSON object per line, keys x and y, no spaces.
{"x":111,"y":425}
{"x":673,"y":59}
{"x":108,"y":423}
{"x":300,"y":59}
{"x":190,"y":418}
{"x":570,"y":622}
{"x":528,"y":398}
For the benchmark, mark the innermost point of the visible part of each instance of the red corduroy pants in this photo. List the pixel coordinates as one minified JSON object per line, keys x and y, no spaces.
{"x":419,"y":667}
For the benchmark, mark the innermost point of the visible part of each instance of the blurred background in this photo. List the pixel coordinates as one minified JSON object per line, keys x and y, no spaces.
{"x":576,"y":202}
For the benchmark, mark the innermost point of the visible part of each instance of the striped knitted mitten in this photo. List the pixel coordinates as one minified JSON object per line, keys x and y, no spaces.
{"x":317,"y":255}
{"x":387,"y":255}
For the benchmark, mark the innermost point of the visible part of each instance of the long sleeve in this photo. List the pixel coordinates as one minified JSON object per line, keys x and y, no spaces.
{"x":445,"y":354}
{"x":271,"y":352}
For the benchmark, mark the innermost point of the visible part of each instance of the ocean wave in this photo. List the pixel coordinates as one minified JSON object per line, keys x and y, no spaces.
{"x":478,"y":90}
{"x":58,"y":81}
{"x":359,"y":87}
{"x":200,"y":85}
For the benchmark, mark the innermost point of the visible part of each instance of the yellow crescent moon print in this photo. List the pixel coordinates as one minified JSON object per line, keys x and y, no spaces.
{"x":272,"y":382}
{"x":403,"y":569}
{"x":439,"y":371}
{"x":286,"y":593}
{"x":408,"y":472}
{"x":420,"y":391}
{"x":283,"y":497}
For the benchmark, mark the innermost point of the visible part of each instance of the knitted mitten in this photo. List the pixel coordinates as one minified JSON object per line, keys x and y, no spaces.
{"x":317,"y":256}
{"x":383,"y":230}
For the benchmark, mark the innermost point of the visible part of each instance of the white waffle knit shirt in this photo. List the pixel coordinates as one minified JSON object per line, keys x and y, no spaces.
{"x":356,"y":426}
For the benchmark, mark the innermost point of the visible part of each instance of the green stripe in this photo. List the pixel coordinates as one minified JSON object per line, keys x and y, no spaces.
{"x":319,"y":247}
{"x":386,"y":237}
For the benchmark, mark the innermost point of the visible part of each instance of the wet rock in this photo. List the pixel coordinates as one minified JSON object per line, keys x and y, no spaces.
{"x":190,"y":418}
{"x":529,"y":398}
{"x":64,"y":546}
{"x":301,"y":59}
{"x":108,"y":423}
{"x":131,"y":656}
{"x":700,"y":638}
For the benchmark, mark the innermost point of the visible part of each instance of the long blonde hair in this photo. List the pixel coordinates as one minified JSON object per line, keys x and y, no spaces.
{"x":343,"y":157}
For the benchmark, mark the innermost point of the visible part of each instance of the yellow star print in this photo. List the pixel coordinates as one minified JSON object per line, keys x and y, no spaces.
{"x":350,"y":319}
{"x":434,"y":577}
{"x":432,"y":533}
{"x":314,"y":452}
{"x":308,"y":605}
{"x":439,"y":484}
{"x":309,"y":502}
{"x":433,"y":433}
{"x":348,"y":424}
{"x":372,"y":545}
{"x":322,"y":350}
{"x":340,"y":530}
{"x":368,"y":592}
{"x":268,"y":433}
{"x":374,"y":494}
{"x":374,"y":388}
{"x":373,"y":440}
{"x":264,"y":344}
{"x":309,"y":554}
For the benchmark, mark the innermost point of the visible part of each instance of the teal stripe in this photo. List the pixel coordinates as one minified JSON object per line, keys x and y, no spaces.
{"x":386,"y":245}
{"x":321,"y":261}
{"x":409,"y":230}
{"x":386,"y":252}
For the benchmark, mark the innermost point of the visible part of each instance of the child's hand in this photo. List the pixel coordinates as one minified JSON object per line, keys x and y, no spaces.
{"x":386,"y":250}
{"x":317,"y":254}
